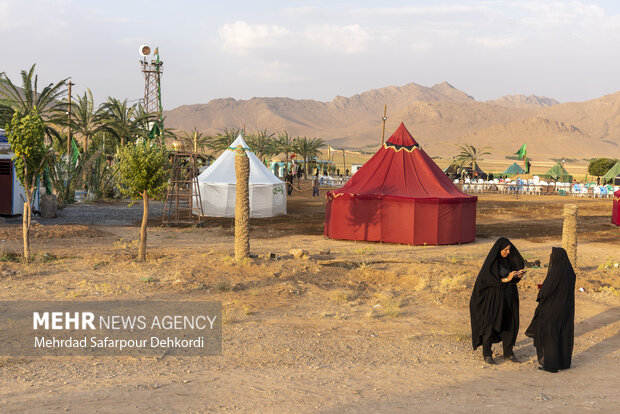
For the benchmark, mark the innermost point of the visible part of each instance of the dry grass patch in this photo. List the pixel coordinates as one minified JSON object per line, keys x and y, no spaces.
{"x":389,"y":306}
{"x":222,"y":285}
{"x":89,"y":288}
{"x":455,"y":283}
{"x":343,"y":295}
{"x":236,"y":312}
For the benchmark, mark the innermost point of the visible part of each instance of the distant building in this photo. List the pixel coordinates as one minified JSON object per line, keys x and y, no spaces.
{"x":355,"y":167}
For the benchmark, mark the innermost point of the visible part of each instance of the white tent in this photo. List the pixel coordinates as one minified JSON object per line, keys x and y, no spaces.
{"x":218,"y":186}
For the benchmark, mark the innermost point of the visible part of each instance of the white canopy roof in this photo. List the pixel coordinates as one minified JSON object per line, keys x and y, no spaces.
{"x":223,"y":169}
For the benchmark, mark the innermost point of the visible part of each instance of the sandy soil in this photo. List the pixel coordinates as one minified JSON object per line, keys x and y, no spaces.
{"x":367,"y":327}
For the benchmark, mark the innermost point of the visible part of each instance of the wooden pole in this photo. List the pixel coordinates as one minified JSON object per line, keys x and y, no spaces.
{"x":384,"y":119}
{"x":69,"y":132}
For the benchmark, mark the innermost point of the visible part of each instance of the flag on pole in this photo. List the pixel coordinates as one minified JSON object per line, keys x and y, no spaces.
{"x":158,"y":129}
{"x":75,"y":153}
{"x":155,"y":131}
{"x":522,"y":152}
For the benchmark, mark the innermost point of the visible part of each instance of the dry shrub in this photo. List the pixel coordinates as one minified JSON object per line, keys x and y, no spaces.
{"x":610,"y":290}
{"x":388,"y":306}
{"x":392,"y":307}
{"x":235,"y":312}
{"x":222,"y":285}
{"x":454,"y":282}
{"x":88,"y":288}
{"x":415,"y":283}
{"x":343,"y":295}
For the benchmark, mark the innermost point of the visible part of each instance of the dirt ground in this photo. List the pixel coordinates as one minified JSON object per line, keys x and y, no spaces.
{"x":367,"y":327}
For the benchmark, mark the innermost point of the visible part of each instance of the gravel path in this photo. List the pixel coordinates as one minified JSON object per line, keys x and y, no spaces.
{"x":118,"y":214}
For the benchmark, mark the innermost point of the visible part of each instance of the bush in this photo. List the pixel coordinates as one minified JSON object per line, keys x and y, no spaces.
{"x":600,"y":166}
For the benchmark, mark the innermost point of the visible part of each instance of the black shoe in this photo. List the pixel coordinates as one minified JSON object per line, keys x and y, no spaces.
{"x":511,"y":358}
{"x":489,"y":360}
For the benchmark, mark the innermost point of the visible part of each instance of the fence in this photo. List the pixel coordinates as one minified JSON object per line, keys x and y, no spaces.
{"x":536,"y":188}
{"x":509,"y":187}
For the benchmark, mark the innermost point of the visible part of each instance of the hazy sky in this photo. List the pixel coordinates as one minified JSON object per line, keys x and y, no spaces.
{"x":567,"y":50}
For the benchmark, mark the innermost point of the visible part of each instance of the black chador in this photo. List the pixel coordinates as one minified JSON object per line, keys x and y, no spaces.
{"x":494,"y":303}
{"x":553,"y":325}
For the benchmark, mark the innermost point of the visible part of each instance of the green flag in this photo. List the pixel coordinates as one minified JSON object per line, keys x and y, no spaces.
{"x":522,"y":152}
{"x":155,"y":131}
{"x":75,"y":153}
{"x":160,"y":127}
{"x":47,"y":182}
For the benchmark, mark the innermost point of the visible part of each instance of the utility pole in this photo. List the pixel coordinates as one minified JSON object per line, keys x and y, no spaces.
{"x":69,"y":133}
{"x":384,"y":119}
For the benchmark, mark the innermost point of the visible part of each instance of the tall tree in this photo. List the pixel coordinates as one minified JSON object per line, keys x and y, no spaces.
{"x":26,"y":98}
{"x":143,"y":173}
{"x":308,"y":148}
{"x":125,"y":122}
{"x":600,"y":166}
{"x":26,"y":133}
{"x":261,"y":143}
{"x":196,"y":140}
{"x":470,"y":155}
{"x":224,"y":139}
{"x":86,"y":120}
{"x":285,"y":144}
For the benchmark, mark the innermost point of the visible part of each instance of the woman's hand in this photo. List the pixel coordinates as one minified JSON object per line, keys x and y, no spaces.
{"x":510,"y":276}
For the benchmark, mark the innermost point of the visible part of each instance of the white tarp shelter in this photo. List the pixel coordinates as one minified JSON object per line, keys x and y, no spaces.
{"x":218,"y":186}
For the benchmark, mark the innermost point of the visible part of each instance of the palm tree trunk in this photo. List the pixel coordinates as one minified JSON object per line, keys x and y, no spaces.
{"x":145,"y":219}
{"x":242,"y":205}
{"x":305,"y":168}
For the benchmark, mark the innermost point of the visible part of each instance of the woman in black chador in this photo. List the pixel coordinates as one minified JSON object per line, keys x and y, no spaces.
{"x":494,"y":303}
{"x":553,"y":325}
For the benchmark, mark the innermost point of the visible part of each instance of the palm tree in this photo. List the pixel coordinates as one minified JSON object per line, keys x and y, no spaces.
{"x":308,"y":148}
{"x":224,"y":139}
{"x":196,"y":140}
{"x":6,"y":112}
{"x":86,"y":120}
{"x":471,"y":155}
{"x":284,"y":143}
{"x":262,"y":144}
{"x":125,"y":122}
{"x":25,"y":98}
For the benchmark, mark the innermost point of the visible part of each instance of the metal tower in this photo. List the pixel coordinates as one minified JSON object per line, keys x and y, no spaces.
{"x":152,"y":72}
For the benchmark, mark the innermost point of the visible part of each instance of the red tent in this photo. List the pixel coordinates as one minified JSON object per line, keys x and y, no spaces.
{"x":401,"y":196}
{"x":615,"y":213}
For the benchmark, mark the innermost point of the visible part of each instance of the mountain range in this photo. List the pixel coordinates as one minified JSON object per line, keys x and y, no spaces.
{"x":439,"y":117}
